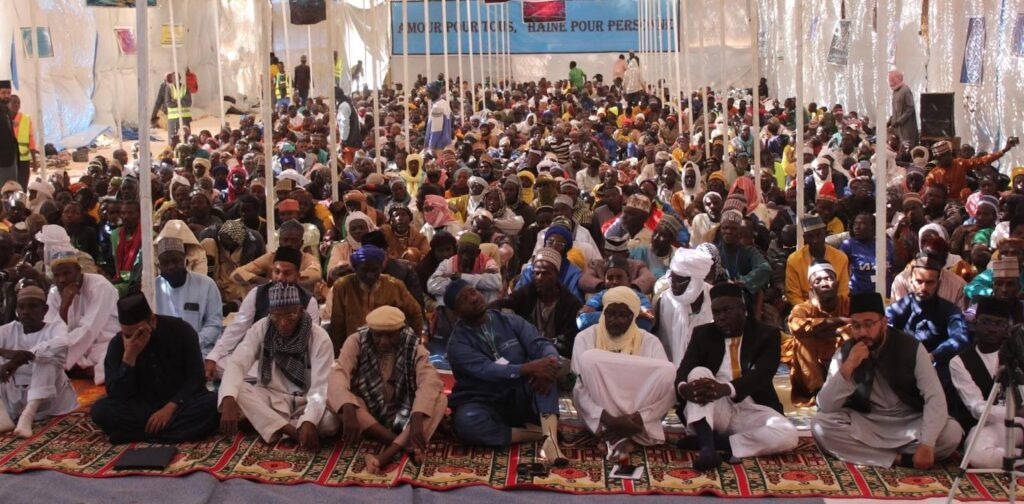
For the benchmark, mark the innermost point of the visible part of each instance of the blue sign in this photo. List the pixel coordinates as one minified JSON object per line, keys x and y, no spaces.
{"x":590,"y":26}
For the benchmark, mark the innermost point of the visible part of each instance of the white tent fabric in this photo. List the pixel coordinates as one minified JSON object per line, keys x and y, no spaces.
{"x":87,"y":80}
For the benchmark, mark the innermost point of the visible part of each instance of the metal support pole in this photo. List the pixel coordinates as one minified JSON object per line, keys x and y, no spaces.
{"x":145,"y":164}
{"x":266,"y":110}
{"x":798,"y":149}
{"x":881,"y":149}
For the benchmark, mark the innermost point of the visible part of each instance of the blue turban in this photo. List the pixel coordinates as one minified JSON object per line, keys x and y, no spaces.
{"x":368,"y":253}
{"x":562,"y":231}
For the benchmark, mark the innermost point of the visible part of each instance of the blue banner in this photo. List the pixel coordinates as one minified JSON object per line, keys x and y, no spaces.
{"x":589,"y":26}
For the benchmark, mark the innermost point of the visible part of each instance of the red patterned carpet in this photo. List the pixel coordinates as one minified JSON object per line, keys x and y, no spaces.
{"x":74,"y":445}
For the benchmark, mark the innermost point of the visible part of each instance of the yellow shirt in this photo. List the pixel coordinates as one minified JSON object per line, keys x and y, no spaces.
{"x":798,"y":288}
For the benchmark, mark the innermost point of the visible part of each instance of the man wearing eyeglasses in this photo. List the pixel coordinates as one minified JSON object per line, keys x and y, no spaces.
{"x":882,"y":402}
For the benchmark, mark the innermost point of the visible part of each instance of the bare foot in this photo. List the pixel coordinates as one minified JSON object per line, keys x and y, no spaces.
{"x":24,"y":428}
{"x":372,"y":464}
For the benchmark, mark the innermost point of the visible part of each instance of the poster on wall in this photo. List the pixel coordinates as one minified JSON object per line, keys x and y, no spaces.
{"x":307,"y":12}
{"x":972,"y":72}
{"x":1018,"y":36}
{"x":165,"y":35}
{"x":543,"y":11}
{"x":839,"y":49}
{"x":589,"y":26}
{"x":125,"y":41}
{"x":28,"y":42}
{"x":115,"y":3}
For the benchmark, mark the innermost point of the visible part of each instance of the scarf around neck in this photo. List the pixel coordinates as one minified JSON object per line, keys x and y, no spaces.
{"x":289,"y":353}
{"x":368,"y":382}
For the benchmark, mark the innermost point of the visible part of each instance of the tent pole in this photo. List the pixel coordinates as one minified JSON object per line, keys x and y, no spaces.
{"x":723,"y":95}
{"x":145,"y":165}
{"x":332,"y":138}
{"x":508,"y":40}
{"x":705,"y":107}
{"x":266,"y":16}
{"x":798,"y":149}
{"x":660,"y":46}
{"x":40,"y":132}
{"x":177,"y":76}
{"x":285,"y":24}
{"x":458,"y":49}
{"x":472,"y":67}
{"x":490,"y":46}
{"x":444,"y":39}
{"x":675,"y":58}
{"x":309,"y":53}
{"x":480,"y":48}
{"x":405,"y":73}
{"x":689,"y":78}
{"x":426,"y":38}
{"x":220,"y":69}
{"x":374,"y":21}
{"x":881,"y":145}
{"x":755,"y":107}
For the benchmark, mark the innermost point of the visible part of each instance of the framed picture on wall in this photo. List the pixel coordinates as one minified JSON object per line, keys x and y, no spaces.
{"x":165,"y":35}
{"x":29,"y":42}
{"x":125,"y":40}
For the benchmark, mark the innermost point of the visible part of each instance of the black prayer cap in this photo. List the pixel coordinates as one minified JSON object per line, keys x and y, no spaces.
{"x":132,"y":309}
{"x":992,"y":306}
{"x":726,"y":289}
{"x":867,"y":302}
{"x":5,"y":84}
{"x":289,"y":254}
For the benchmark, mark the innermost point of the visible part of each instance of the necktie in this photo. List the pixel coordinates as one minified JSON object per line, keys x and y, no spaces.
{"x":734,"y":356}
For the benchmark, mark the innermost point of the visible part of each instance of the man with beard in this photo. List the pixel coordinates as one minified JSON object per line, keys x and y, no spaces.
{"x":1005,"y":288}
{"x":938,"y":324}
{"x":686,"y":304}
{"x":293,"y":359}
{"x":86,"y":303}
{"x":359,"y":293}
{"x":818,"y":327}
{"x":814,"y":250}
{"x":32,"y":379}
{"x":733,"y":408}
{"x":973,"y":373}
{"x":404,"y":241}
{"x":882,"y":402}
{"x":505,"y":374}
{"x":8,"y":140}
{"x":468,"y":264}
{"x":383,"y":387}
{"x":189,"y":296}
{"x":624,"y":379}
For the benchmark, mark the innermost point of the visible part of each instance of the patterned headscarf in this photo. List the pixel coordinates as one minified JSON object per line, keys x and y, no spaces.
{"x":233,"y":230}
{"x":716,"y":268}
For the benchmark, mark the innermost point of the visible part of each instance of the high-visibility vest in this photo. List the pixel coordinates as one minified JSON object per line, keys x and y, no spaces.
{"x":178,"y":92}
{"x":339,"y":68}
{"x":24,"y":137}
{"x":282,"y":86}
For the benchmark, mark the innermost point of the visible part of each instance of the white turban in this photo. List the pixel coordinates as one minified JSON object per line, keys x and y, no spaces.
{"x":819,"y":267}
{"x":54,"y":239}
{"x":694,"y":264}
{"x":180,"y":180}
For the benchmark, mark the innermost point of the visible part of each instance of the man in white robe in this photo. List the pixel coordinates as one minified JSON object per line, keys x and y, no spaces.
{"x":293,"y":357}
{"x":87,"y":303}
{"x":32,"y":352}
{"x":254,"y":307}
{"x":684,"y":302}
{"x":973,"y":373}
{"x":624,"y":384}
{"x":882,"y":402}
{"x":189,"y":296}
{"x":725,"y":385}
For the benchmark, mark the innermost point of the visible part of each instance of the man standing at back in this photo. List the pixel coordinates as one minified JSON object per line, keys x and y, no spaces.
{"x":576,"y":76}
{"x":303,"y":80}
{"x":26,"y":139}
{"x":8,"y":142}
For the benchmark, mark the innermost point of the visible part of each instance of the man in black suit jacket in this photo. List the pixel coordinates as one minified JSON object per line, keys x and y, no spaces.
{"x":725,"y":386}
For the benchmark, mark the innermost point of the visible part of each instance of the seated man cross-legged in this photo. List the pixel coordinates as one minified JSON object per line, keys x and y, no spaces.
{"x":383,"y":386}
{"x":882,"y":402}
{"x":289,"y":398}
{"x":624,"y":384}
{"x":725,"y":384}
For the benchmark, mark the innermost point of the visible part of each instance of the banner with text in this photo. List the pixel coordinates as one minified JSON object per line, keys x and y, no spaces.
{"x":575,"y":26}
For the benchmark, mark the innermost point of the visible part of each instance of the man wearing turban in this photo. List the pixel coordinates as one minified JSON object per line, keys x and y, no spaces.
{"x":684,"y":302}
{"x":624,"y":379}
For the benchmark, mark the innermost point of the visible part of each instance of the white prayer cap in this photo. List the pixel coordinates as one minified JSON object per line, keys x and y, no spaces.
{"x":691,"y":263}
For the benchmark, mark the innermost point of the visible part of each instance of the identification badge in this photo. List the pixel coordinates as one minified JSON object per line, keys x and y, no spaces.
{"x":192,"y":307}
{"x":501,"y":361}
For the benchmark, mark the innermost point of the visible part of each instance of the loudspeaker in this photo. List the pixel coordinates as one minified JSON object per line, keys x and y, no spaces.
{"x":937,"y":115}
